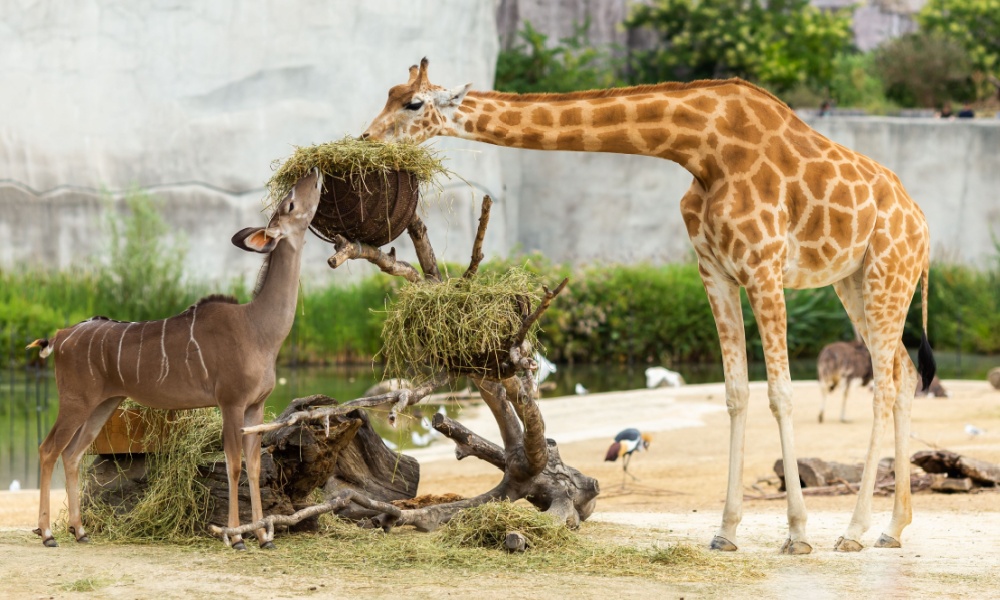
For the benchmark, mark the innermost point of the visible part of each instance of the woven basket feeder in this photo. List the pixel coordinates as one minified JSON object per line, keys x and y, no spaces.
{"x":374,"y":209}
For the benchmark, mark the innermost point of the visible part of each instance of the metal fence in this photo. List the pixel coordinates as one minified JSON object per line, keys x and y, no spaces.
{"x":27,"y":410}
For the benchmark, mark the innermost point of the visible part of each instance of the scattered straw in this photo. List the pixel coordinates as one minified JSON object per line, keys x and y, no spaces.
{"x":174,"y":506}
{"x":456,"y":323}
{"x":487,"y":525}
{"x":351,"y":158}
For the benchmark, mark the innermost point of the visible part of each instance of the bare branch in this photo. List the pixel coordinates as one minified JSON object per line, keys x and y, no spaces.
{"x":425,"y":253}
{"x":542,"y":307}
{"x":468,"y":443}
{"x":477,"y":246}
{"x":494,"y":395}
{"x":536,"y":450}
{"x":347,"y":250}
{"x":401,"y":399}
{"x":339,"y":502}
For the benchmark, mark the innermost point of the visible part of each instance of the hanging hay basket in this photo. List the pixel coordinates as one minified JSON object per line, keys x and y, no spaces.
{"x":370,"y":191}
{"x":374,"y":209}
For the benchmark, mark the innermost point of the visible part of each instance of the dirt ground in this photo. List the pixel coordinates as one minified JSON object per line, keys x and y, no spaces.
{"x":952,"y":549}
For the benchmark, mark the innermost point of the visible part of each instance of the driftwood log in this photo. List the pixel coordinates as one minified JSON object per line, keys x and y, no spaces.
{"x":342,"y":452}
{"x":956,"y":466}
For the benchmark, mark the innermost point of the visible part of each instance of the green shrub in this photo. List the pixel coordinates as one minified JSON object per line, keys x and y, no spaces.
{"x":925,"y":70}
{"x":534,"y":65}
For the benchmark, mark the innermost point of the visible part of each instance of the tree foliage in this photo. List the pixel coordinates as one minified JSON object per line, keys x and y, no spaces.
{"x":924,"y":69}
{"x":777,"y":43}
{"x":975,"y":24}
{"x":533,"y":65}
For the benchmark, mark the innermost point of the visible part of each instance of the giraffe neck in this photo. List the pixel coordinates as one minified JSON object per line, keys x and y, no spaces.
{"x":674,"y":122}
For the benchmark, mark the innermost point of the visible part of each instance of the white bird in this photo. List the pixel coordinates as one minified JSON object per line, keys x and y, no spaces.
{"x":972,"y":430}
{"x":662,"y":377}
{"x":545,"y":368}
{"x":580,"y":390}
{"x":15,"y":486}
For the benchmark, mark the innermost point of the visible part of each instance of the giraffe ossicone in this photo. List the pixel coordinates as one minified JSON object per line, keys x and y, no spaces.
{"x":773,"y":204}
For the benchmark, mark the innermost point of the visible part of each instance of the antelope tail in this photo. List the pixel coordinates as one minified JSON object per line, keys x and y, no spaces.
{"x":46,"y":348}
{"x":925,"y":358}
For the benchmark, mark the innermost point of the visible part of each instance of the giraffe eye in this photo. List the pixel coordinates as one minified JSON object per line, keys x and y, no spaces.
{"x":413,"y":105}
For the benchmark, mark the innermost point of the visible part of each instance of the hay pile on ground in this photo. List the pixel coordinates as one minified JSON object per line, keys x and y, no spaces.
{"x":352,"y":159}
{"x":458,"y":325}
{"x":175,"y":504}
{"x":487,"y":525}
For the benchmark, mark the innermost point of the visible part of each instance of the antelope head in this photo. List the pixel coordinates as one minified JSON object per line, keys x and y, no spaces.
{"x":417,"y":110}
{"x":290,"y":219}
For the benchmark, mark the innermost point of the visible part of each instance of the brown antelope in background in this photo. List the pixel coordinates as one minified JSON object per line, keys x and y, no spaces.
{"x":842,"y":362}
{"x":215,"y":353}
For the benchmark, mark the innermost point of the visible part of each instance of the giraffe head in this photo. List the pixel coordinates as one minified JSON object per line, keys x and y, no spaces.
{"x":417,"y":110}
{"x":290,"y":220}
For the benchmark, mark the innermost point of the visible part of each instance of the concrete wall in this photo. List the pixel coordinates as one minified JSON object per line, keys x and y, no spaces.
{"x":583,"y":207}
{"x":193,"y":100}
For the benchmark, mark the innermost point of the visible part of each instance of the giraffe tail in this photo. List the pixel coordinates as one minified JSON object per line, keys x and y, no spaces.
{"x":46,"y":348}
{"x":925,"y":357}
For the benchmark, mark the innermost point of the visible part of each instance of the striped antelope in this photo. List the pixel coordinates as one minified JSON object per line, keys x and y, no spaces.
{"x":215,"y":353}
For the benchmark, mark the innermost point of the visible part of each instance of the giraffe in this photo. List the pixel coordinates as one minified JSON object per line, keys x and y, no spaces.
{"x":773,"y":205}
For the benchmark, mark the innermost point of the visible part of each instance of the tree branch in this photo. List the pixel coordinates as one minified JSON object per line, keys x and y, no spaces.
{"x":425,"y":253}
{"x":542,"y":307}
{"x":468,"y":443}
{"x":477,"y":246}
{"x":401,"y":399}
{"x":536,"y":450}
{"x":388,"y":263}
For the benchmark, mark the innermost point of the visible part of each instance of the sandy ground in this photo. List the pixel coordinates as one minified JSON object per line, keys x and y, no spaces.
{"x":952,"y":549}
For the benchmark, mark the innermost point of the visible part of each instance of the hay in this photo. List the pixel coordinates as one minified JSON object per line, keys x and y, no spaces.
{"x":175,"y":505}
{"x":457,"y":325}
{"x":352,"y":159}
{"x":486,"y":526}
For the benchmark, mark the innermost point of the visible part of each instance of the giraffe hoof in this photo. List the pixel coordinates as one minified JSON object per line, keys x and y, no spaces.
{"x":239,"y":546}
{"x":721,"y":543}
{"x":885,"y":541}
{"x":50,"y":543}
{"x":846,"y":545}
{"x":797,"y":547}
{"x":268,"y":545}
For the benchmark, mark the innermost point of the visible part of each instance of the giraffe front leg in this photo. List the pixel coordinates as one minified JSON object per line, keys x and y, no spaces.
{"x":768,"y":302}
{"x":902,"y":509}
{"x":724,"y":297}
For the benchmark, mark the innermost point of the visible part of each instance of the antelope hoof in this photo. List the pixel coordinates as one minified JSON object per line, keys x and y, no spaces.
{"x":268,"y":545}
{"x":239,"y":546}
{"x":48,"y":542}
{"x":885,"y":541}
{"x":83,"y":539}
{"x":794,"y":548}
{"x":721,"y":543}
{"x":820,"y":417}
{"x":846,"y":545}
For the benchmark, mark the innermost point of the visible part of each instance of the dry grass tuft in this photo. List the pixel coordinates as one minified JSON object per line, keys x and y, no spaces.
{"x":351,"y":159}
{"x":487,"y":525}
{"x":457,"y":323}
{"x":174,"y":507}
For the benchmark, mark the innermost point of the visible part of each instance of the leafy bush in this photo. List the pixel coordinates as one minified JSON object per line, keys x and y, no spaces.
{"x":536,"y":66}
{"x":779,"y":43}
{"x":856,"y":83}
{"x":924,"y":70}
{"x":973,"y":24}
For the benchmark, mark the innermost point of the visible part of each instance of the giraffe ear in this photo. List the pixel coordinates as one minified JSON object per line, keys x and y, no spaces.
{"x":453,"y":97}
{"x":255,"y":239}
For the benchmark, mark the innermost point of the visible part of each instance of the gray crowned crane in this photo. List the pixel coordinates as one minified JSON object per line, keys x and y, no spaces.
{"x":626,"y":443}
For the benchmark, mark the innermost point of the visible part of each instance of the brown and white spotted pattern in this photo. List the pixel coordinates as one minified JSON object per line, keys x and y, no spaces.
{"x":773,"y":205}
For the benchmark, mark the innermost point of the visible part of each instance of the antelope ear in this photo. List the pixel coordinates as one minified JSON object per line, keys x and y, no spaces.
{"x":454,"y":96}
{"x":255,"y":239}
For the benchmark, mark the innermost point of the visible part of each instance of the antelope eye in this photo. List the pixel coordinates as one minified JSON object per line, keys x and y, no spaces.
{"x":291,"y":206}
{"x":413,"y":105}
